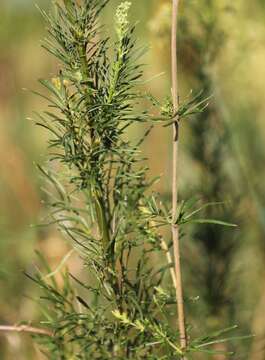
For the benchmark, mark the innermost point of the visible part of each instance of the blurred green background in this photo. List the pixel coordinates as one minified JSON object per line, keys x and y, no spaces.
{"x":222,"y":52}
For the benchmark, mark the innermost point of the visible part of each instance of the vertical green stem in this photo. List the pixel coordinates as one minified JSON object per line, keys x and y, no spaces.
{"x":98,"y":199}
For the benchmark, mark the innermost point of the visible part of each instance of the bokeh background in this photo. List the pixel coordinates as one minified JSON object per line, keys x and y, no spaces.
{"x":222,"y":53}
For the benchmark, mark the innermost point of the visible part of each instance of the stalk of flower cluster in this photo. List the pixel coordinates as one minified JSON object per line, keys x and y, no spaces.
{"x":175,"y":228}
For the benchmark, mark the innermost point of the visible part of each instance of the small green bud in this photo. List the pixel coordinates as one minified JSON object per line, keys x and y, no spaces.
{"x":139,"y":326}
{"x":78,"y":76}
{"x":167,"y":108}
{"x":121,"y":316}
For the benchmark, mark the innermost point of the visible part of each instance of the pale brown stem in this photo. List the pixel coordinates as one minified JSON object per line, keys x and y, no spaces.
{"x":169,"y":261}
{"x":175,"y":228}
{"x":25,"y":328}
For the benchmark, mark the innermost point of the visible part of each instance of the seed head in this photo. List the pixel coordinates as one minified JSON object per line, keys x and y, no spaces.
{"x":121,"y":18}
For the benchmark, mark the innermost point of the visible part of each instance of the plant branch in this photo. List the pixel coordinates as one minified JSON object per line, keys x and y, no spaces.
{"x":26,"y":328}
{"x":175,"y":228}
{"x":170,"y":261}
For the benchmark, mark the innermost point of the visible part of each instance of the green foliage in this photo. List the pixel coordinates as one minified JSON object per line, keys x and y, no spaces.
{"x":101,"y":198}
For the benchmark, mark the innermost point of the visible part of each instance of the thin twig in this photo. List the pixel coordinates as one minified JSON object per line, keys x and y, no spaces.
{"x":170,"y":261}
{"x":26,"y":328}
{"x":175,"y":228}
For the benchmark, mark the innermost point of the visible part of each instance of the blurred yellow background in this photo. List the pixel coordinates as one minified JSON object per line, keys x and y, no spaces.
{"x":222,"y":52}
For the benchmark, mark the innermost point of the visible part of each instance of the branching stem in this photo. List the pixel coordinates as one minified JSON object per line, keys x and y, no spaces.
{"x":25,"y":328}
{"x":175,"y":228}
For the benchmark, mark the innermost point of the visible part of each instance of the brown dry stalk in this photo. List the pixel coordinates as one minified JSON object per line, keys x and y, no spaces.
{"x":175,"y":228}
{"x":169,"y":261}
{"x":26,"y":328}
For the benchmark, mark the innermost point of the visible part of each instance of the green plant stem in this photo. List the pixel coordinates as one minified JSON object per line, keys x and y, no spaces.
{"x":102,"y":222}
{"x":175,"y":228}
{"x":98,"y":200}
